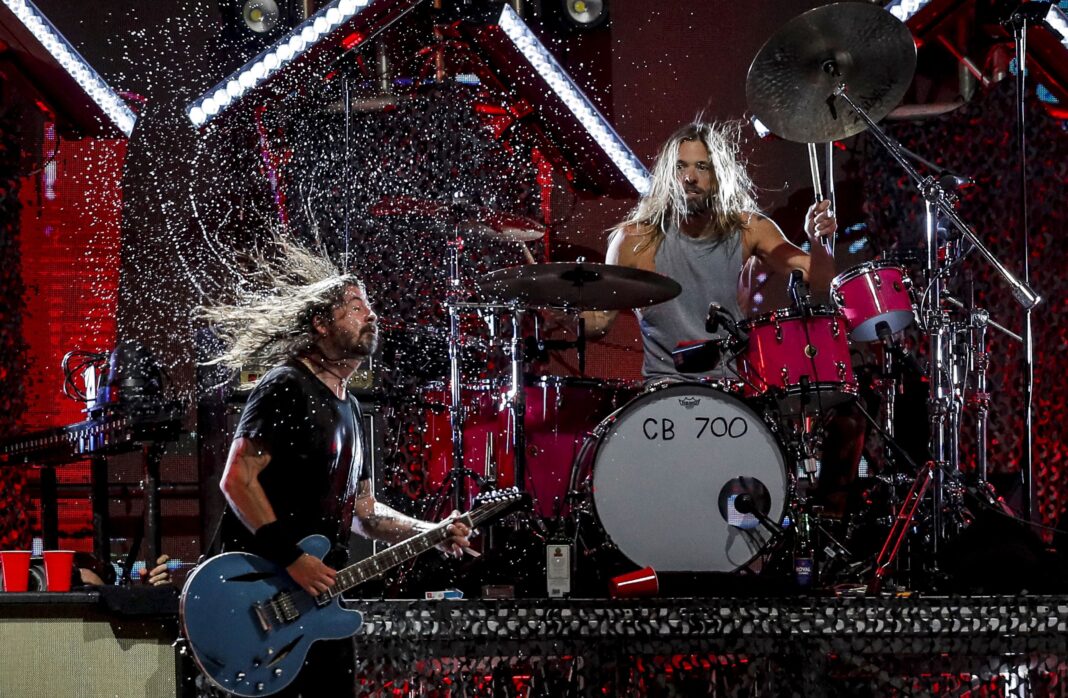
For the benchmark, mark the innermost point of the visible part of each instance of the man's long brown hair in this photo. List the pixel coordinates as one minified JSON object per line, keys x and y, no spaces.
{"x":731,"y":200}
{"x":267,"y":326}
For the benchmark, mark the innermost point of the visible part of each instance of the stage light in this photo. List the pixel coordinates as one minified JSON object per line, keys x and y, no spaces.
{"x":903,"y":9}
{"x":254,"y":73}
{"x":762,"y":131}
{"x":261,"y":16}
{"x":585,"y":14}
{"x":583,"y":110}
{"x":61,"y":50}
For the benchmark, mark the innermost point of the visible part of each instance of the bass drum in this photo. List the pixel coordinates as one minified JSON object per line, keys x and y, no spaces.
{"x":667,"y":470}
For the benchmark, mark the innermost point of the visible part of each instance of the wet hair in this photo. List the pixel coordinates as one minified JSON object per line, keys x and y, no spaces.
{"x":731,"y":200}
{"x":275,"y":322}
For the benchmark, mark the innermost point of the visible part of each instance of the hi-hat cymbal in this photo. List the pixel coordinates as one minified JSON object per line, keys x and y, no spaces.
{"x":791,"y":82}
{"x":467,"y":218}
{"x":579,"y":285}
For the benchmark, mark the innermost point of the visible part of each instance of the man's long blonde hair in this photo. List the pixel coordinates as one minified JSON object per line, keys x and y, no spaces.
{"x":732,"y":201}
{"x":267,"y":326}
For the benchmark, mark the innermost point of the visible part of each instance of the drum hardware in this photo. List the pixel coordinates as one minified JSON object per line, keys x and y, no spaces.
{"x":815,"y":51}
{"x":704,"y":356}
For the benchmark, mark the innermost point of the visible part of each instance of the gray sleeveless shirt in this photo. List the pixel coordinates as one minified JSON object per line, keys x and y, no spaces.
{"x":708,"y":271}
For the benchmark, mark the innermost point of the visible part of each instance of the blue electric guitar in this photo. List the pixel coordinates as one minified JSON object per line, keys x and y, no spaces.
{"x":250,"y":625}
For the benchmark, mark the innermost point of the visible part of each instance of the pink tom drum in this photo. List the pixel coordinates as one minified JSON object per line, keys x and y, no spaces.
{"x":871,"y":293}
{"x":797,"y":358}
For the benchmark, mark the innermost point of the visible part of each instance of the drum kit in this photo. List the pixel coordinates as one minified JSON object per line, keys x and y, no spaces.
{"x":718,"y":476}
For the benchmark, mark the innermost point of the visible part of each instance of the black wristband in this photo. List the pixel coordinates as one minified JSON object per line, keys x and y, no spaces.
{"x":277,"y":543}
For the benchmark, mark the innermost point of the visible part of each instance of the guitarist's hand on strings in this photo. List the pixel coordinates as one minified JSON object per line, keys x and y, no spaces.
{"x":312,"y":574}
{"x":459,"y":536}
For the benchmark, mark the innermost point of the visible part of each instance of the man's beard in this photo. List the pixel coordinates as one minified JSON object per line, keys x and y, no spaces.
{"x":366,"y":342}
{"x":361,"y":345}
{"x":698,"y":204}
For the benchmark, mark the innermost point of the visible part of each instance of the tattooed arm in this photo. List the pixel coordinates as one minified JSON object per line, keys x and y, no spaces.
{"x":376,"y":520}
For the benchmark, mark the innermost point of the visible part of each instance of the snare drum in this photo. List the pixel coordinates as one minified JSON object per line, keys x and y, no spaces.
{"x":667,"y":469}
{"x":870,"y":293}
{"x":797,"y":357}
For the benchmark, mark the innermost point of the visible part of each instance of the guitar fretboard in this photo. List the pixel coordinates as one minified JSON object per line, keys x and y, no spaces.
{"x":387,"y":559}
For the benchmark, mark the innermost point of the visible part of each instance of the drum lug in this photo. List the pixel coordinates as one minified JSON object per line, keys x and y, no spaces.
{"x":834,"y":327}
{"x":877,"y":281}
{"x":786,"y":375}
{"x":840,"y":365}
{"x":778,"y":327}
{"x":837,"y":299}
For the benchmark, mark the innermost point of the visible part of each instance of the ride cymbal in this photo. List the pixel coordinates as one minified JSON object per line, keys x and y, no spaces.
{"x":579,"y":285}
{"x":792,"y":80}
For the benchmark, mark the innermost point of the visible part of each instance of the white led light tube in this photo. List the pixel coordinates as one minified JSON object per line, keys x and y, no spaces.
{"x":284,"y":51}
{"x":67,"y":56}
{"x":584,"y":111}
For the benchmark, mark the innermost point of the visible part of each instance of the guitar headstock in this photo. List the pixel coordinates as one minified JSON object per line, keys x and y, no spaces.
{"x":495,"y":504}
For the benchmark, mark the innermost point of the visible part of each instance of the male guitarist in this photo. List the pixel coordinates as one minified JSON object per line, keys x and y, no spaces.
{"x":296,"y":466}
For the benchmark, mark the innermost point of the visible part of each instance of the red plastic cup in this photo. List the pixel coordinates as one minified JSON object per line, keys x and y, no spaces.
{"x":16,"y":564}
{"x":641,"y":582}
{"x":58,"y":564}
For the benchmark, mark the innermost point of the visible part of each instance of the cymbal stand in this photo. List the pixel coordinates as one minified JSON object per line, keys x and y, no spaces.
{"x":454,"y":296}
{"x":978,"y":362}
{"x":516,"y":400}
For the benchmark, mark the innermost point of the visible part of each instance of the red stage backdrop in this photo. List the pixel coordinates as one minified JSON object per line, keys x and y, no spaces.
{"x":70,"y":251}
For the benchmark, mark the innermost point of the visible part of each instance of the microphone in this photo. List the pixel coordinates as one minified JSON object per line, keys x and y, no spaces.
{"x":886,"y":336}
{"x":951,"y":181}
{"x":718,"y":317}
{"x":798,"y":289}
{"x":745,"y":504}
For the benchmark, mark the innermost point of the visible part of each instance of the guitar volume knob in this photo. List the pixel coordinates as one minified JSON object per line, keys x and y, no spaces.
{"x":240,"y":676}
{"x":278,"y":671}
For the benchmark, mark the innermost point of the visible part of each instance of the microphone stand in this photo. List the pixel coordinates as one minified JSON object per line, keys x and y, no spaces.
{"x":1026,"y":13}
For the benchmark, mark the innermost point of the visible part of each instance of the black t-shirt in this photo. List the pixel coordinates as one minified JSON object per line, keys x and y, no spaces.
{"x":315,"y":443}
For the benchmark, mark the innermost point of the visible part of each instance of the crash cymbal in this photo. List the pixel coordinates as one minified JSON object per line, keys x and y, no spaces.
{"x":468,"y":218}
{"x":791,"y":82}
{"x":579,"y":285}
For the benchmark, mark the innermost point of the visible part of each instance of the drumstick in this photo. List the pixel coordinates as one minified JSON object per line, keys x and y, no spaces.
{"x":817,"y":186}
{"x":814,"y":168}
{"x":830,"y":192}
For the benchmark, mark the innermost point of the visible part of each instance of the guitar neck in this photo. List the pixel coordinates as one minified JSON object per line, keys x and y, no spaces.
{"x":360,"y":572}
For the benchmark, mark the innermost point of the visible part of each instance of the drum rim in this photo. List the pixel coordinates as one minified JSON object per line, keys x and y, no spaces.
{"x":792,"y":313}
{"x":600,"y":431}
{"x":484,"y":385}
{"x":535,"y":380}
{"x":864,"y":268}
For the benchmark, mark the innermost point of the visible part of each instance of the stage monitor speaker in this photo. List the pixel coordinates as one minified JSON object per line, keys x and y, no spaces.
{"x":52,"y":650}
